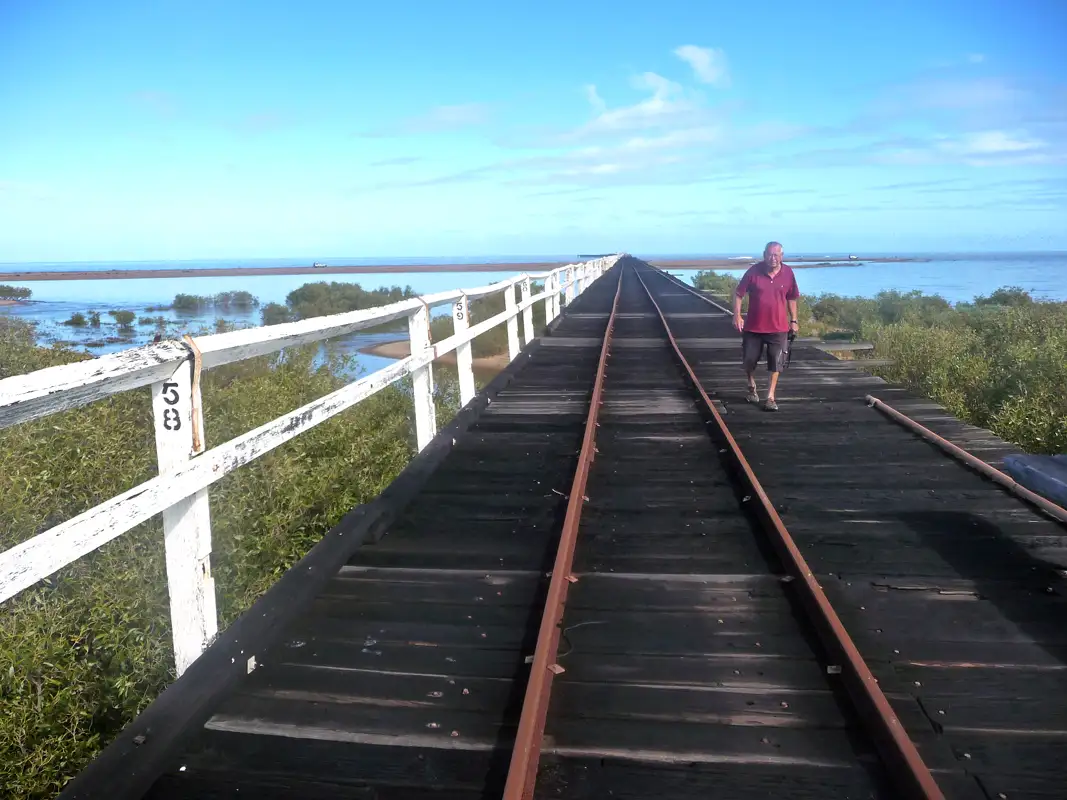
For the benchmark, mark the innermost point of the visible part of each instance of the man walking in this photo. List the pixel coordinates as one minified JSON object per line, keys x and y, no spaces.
{"x":772,"y":293}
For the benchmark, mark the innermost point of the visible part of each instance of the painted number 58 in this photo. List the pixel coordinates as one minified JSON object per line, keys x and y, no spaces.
{"x":172,"y":419}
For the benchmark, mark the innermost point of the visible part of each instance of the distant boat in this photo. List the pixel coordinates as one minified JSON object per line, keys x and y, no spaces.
{"x":853,"y":258}
{"x":318,"y":265}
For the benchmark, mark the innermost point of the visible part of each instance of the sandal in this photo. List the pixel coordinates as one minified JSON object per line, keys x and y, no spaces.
{"x":770,"y":405}
{"x":752,"y":396}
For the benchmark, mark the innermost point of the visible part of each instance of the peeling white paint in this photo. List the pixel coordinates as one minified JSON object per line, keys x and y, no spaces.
{"x":527,"y":311}
{"x":187,"y":523}
{"x":464,"y":357}
{"x":511,"y":310}
{"x":179,"y":492}
{"x":422,"y":378}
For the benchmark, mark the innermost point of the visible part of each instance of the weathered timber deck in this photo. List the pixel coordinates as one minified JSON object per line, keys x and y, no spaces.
{"x":953,"y":589}
{"x":396,"y":669}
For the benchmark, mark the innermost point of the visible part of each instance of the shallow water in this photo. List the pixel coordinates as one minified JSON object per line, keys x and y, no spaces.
{"x":958,"y":277}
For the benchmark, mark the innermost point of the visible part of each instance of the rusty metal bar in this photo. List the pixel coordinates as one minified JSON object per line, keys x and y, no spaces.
{"x":903,"y":763}
{"x":988,"y":470}
{"x":522,"y":771}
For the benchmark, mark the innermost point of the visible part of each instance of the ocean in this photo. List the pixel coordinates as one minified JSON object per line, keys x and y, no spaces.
{"x":956,"y":277}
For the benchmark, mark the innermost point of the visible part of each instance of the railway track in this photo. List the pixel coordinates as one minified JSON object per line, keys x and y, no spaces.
{"x":592,"y":598}
{"x":741,"y":670}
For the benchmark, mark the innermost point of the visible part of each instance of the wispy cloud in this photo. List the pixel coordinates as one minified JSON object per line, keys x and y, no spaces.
{"x":987,"y":143}
{"x":594,"y":98}
{"x":671,"y":134}
{"x":708,"y":63}
{"x":955,"y":95}
{"x":439,"y":119}
{"x":668,"y":104}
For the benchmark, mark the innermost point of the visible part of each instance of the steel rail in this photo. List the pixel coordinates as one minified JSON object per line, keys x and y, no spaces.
{"x":903,"y":763}
{"x":971,"y":460}
{"x":526,"y":753}
{"x":682,"y":284}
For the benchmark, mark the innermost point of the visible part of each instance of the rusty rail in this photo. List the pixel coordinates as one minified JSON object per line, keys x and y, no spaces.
{"x":526,"y":753}
{"x":971,"y":460}
{"x":903,"y":763}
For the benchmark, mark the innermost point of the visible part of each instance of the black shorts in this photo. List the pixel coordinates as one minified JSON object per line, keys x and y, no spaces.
{"x":752,"y":348}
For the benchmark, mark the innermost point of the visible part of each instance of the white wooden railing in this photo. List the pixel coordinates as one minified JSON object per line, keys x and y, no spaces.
{"x":186,"y":469}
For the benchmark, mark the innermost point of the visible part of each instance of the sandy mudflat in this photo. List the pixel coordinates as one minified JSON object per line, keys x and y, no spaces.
{"x":795,"y":263}
{"x":9,"y":302}
{"x":402,"y":349}
{"x":124,"y":274}
{"x":400,"y":269}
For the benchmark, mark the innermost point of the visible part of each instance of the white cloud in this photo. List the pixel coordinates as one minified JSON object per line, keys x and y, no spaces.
{"x":668,"y":106}
{"x":439,"y":119}
{"x":708,"y":63}
{"x":594,"y":98}
{"x":449,"y":117}
{"x":963,"y":95}
{"x":976,"y":58}
{"x":995,"y":142}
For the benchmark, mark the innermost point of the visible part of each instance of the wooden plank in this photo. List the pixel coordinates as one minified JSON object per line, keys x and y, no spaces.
{"x":127,"y":767}
{"x":343,"y":763}
{"x":589,"y":778}
{"x":215,"y":785}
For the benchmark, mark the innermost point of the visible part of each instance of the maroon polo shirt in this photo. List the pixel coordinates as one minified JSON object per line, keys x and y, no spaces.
{"x":767,"y":296}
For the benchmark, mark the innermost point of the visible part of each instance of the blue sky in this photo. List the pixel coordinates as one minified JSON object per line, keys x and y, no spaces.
{"x":143,"y":130}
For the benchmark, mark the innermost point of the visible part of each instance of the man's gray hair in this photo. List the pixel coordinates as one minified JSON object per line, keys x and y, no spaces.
{"x":769,"y":245}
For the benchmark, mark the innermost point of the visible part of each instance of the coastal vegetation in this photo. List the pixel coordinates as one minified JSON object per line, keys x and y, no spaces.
{"x":489,"y":343}
{"x":319,"y":299}
{"x":16,"y":293}
{"x":996,"y":362}
{"x":322,"y":298}
{"x":84,"y":651}
{"x":239,"y":301}
{"x":124,"y":319}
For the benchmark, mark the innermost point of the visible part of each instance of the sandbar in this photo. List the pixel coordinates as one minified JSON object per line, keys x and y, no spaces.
{"x":402,"y":349}
{"x":401,"y":269}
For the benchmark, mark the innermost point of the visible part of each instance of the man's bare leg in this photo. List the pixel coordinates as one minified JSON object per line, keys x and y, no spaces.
{"x":771,"y":404}
{"x":773,"y":386}
{"x":753,"y":395}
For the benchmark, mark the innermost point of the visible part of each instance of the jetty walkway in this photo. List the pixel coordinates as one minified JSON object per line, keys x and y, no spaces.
{"x":609,"y":576}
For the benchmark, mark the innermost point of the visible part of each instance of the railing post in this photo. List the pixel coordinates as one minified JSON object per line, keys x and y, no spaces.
{"x":513,"y":322}
{"x":548,"y":303}
{"x":556,"y":289}
{"x":422,"y":379}
{"x":464,"y":356}
{"x":527,"y":312}
{"x":178,"y":413}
